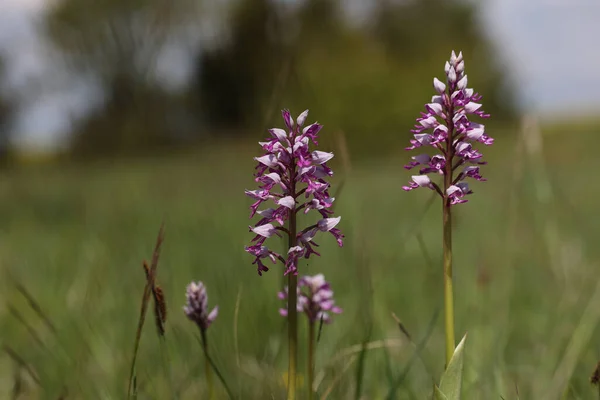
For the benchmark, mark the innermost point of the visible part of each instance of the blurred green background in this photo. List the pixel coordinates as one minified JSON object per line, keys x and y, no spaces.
{"x":77,"y":220}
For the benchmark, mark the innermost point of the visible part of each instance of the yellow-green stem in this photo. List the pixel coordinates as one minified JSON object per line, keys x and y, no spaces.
{"x":292,"y":316}
{"x":207,"y":367}
{"x":292,"y":336}
{"x":448,"y":293}
{"x":311,"y":359}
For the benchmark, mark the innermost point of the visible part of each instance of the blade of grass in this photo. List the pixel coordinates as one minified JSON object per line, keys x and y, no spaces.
{"x":214,"y":367}
{"x":365,"y":309}
{"x":389,"y":374}
{"x":423,"y":248}
{"x":19,"y":317}
{"x":337,"y":379}
{"x":415,"y":356}
{"x":236,"y":316}
{"x":360,"y":369}
{"x":352,"y":352}
{"x":21,"y":362}
{"x":412,"y":343}
{"x":417,"y":221}
{"x":579,"y":340}
{"x":35,"y":306}
{"x":167,"y":366}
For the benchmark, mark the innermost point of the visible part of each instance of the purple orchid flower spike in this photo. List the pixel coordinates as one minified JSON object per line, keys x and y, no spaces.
{"x":446,"y":127}
{"x":315,"y":299}
{"x":196,"y":307}
{"x":294,"y":179}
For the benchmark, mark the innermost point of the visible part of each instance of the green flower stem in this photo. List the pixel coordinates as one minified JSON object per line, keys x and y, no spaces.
{"x":448,"y":293}
{"x":292,"y":312}
{"x":207,"y":367}
{"x":311,"y":359}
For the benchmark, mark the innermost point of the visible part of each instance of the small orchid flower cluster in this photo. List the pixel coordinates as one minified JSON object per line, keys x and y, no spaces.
{"x":446,"y":127}
{"x":196,"y":308}
{"x":315,"y":299}
{"x":287,"y":172}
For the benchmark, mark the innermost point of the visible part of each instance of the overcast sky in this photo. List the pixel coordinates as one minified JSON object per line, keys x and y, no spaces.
{"x":550,"y":45}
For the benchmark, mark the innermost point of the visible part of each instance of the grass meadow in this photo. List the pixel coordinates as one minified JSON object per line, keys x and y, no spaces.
{"x":72,"y":238}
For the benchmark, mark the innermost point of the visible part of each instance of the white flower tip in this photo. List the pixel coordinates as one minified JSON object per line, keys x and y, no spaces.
{"x":321,"y":157}
{"x":302,"y":118}
{"x":438,"y":85}
{"x":461,"y":146}
{"x":315,"y":281}
{"x":269,"y":160}
{"x":327,"y":224}
{"x":452,"y":189}
{"x":462,"y":83}
{"x":422,"y":158}
{"x":436,"y":108}
{"x":441,"y":127}
{"x":278,"y":133}
{"x":454,"y":59}
{"x":452,"y":75}
{"x":274,"y":177}
{"x":287,"y":201}
{"x":472,"y":107}
{"x":429,"y":122}
{"x":476,"y":132}
{"x":266,"y":230}
{"x":312,"y":127}
{"x":421,"y":180}
{"x":319,"y":278}
{"x":295,"y":249}
{"x":213,"y":314}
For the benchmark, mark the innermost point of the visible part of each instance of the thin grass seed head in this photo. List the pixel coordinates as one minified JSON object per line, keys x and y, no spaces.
{"x":196,"y":307}
{"x":160,"y":310}
{"x":293,"y":179}
{"x":446,"y":127}
{"x":315,"y":299}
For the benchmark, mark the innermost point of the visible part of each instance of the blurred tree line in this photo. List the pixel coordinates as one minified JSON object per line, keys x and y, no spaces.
{"x":368,"y":79}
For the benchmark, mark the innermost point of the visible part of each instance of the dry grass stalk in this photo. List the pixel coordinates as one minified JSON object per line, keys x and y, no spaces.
{"x":148,"y":290}
{"x":160,"y":305}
